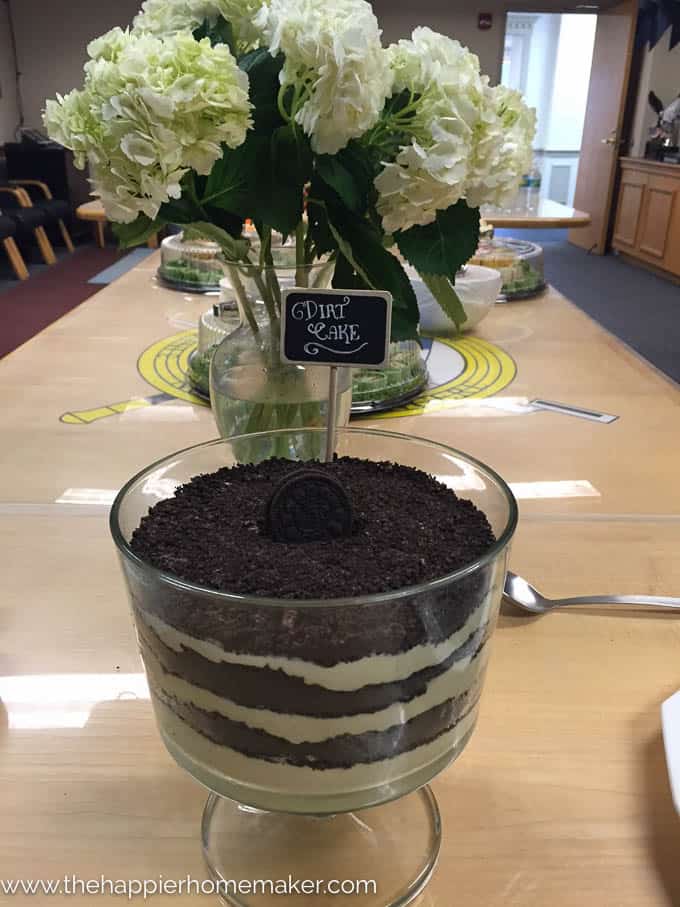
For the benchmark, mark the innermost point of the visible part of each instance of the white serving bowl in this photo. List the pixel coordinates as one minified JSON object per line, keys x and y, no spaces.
{"x":477,"y":288}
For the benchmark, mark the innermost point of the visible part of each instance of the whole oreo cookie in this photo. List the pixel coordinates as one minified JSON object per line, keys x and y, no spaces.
{"x":308,"y":506}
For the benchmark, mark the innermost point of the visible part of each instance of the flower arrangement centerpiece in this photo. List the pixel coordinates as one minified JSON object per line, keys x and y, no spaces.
{"x":358,"y":164}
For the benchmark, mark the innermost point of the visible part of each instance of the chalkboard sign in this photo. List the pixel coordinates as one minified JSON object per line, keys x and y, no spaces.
{"x":336,"y":327}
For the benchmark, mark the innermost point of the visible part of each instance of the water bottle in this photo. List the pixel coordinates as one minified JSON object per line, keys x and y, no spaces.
{"x":523,"y":192}
{"x":529,"y":188}
{"x":533,"y":187}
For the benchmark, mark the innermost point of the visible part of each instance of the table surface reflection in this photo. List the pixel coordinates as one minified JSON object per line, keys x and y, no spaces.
{"x":560,"y":799}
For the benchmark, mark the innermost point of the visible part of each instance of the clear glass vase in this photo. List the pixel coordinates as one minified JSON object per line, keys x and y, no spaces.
{"x":251,"y":726}
{"x":251,"y":389}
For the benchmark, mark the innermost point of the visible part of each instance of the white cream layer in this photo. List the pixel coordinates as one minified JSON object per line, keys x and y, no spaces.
{"x":307,"y":729}
{"x":221,"y":765}
{"x":345,"y":676}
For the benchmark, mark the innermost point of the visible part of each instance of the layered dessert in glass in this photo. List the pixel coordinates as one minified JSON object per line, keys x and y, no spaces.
{"x":320,"y":675}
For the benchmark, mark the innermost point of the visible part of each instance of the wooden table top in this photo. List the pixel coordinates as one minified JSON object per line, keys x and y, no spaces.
{"x":93,"y":210}
{"x":561,"y":797}
{"x":542,"y":213}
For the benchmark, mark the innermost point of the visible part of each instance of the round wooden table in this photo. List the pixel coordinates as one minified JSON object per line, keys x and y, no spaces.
{"x":94,"y":212}
{"x":561,"y":797}
{"x":543,"y":213}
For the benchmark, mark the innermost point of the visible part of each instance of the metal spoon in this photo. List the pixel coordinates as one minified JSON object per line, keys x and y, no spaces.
{"x":523,"y":595}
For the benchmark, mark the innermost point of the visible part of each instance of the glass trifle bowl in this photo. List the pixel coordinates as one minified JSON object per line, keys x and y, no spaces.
{"x":317,"y":722}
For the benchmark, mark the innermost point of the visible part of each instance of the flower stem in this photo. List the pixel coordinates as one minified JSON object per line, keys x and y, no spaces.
{"x":260,"y":275}
{"x":279,"y":103}
{"x":265,"y":291}
{"x":323,"y":273}
{"x":242,"y":296}
{"x":274,"y":288}
{"x":265,"y":245}
{"x":193,"y":195}
{"x":300,"y":270}
{"x":309,"y":242}
{"x":270,"y":273}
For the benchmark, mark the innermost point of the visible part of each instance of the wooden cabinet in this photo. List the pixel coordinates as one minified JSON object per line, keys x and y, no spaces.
{"x":630,"y":205}
{"x":647,"y":225}
{"x":656,"y":214}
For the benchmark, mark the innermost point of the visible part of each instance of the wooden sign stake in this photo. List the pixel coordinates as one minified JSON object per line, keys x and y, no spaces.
{"x":332,"y":408}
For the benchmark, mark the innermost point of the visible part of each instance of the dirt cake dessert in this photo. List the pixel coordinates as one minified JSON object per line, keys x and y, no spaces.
{"x":326,"y":698}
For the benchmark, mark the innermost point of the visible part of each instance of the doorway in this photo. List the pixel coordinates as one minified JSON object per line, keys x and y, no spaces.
{"x":548,"y":57}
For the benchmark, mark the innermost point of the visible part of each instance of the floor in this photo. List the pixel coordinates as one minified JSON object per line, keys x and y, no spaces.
{"x":26,"y":307}
{"x":35,"y":266}
{"x":639,"y":308}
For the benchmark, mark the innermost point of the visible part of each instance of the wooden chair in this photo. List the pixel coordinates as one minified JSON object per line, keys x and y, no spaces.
{"x":28,"y":219}
{"x":7,"y":231}
{"x":55,"y":207}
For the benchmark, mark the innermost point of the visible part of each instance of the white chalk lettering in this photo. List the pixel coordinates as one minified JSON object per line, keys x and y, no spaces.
{"x":333,"y":311}
{"x":306,"y":308}
{"x":338,"y":333}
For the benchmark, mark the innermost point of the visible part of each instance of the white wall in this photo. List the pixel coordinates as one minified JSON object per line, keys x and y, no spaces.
{"x":9,"y":111}
{"x":459,"y":19}
{"x":660,"y":73}
{"x":548,"y":58}
{"x":51,"y":39}
{"x":398,"y":18}
{"x":52,"y":35}
{"x":570,"y":84}
{"x":540,"y":71}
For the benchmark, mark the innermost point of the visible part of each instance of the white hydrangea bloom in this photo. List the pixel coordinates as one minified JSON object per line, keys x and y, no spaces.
{"x":431,"y":174}
{"x":470,"y":141}
{"x":422,"y":181}
{"x":503,"y":151}
{"x":150,"y":110}
{"x":71,"y":121}
{"x":165,"y":17}
{"x":336,"y":63}
{"x":440,"y":69}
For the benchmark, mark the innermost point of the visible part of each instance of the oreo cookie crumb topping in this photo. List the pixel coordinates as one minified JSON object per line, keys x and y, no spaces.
{"x":407,"y":529}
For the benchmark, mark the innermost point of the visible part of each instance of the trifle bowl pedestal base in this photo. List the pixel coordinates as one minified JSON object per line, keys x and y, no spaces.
{"x":378,"y":857}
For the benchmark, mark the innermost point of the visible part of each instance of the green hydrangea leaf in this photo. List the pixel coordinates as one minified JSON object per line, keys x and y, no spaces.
{"x":263,"y":74}
{"x":232,"y":223}
{"x":443,"y":246}
{"x":233,"y":249}
{"x":333,"y":172}
{"x":263,"y":178}
{"x":319,"y":230}
{"x":345,"y":277}
{"x":283,"y":170}
{"x":179,"y":211}
{"x":137,"y":232}
{"x":443,"y":291}
{"x":360,"y":243}
{"x":219,"y":33}
{"x":230,"y":181}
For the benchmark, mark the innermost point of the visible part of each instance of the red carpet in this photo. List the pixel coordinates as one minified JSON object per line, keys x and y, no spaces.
{"x":35,"y":303}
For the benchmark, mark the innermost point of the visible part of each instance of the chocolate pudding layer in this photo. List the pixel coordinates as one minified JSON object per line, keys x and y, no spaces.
{"x":339,"y":695}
